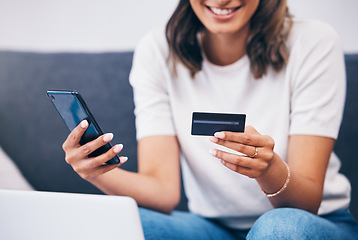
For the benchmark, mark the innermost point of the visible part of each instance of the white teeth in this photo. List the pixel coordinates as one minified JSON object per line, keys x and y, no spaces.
{"x":222,"y":11}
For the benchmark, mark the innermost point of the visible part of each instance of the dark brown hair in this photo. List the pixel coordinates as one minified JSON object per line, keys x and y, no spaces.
{"x":269,"y":28}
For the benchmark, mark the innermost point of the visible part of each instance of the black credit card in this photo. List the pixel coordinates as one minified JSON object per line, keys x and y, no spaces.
{"x":206,"y":124}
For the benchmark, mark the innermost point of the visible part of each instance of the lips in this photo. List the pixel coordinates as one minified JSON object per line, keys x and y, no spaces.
{"x":222,"y":11}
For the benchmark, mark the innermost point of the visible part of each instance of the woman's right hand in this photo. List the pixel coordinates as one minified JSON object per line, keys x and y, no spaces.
{"x":77,"y":155}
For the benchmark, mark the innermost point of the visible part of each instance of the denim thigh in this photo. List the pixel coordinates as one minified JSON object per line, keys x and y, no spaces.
{"x":290,"y":223}
{"x":181,"y":225}
{"x":280,"y":223}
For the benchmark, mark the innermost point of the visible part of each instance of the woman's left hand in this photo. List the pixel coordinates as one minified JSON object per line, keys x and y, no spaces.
{"x":257,"y":149}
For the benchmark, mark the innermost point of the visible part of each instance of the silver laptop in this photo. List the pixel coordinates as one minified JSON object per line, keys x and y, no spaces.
{"x":48,"y":215}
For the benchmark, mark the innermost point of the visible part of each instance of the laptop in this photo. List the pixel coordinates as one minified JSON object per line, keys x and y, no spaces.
{"x":49,"y":215}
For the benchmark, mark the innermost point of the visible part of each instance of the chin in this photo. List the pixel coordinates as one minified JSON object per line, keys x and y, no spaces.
{"x":226,"y":30}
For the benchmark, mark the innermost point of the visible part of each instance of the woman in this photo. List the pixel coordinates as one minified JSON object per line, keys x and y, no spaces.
{"x":233,"y":56}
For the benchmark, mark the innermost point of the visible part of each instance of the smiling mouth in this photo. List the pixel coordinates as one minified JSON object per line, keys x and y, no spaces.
{"x":222,"y":11}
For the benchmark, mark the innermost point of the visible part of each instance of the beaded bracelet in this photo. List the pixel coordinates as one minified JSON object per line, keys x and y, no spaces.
{"x":284,"y":186}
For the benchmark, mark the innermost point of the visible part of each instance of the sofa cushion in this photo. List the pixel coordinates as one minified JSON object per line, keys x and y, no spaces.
{"x":347,"y":141}
{"x":32,"y":132}
{"x":10,"y":176}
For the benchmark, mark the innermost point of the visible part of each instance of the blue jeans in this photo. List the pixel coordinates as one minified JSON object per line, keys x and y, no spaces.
{"x":281,"y":223}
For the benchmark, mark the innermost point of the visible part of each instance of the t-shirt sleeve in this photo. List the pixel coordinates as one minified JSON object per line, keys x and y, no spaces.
{"x":318,"y":83}
{"x":148,"y":78}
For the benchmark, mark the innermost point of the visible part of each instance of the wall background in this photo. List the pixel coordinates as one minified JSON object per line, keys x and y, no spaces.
{"x":114,"y":25}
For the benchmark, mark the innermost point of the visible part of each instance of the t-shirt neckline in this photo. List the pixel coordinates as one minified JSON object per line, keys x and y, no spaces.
{"x":240,"y":63}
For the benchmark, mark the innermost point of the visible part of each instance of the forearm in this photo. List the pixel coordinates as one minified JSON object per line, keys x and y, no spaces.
{"x":148,"y":191}
{"x":301,"y":192}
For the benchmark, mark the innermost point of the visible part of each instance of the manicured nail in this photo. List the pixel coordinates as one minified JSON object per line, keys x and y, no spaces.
{"x":219,"y":135}
{"x":124,"y":159}
{"x":118,"y":148}
{"x":84,"y":123}
{"x":213,"y":152}
{"x":213,"y":139}
{"x":108,"y":137}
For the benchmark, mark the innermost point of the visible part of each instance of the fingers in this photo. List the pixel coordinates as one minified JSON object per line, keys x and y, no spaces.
{"x":257,"y":149}
{"x":82,"y":152}
{"x":239,"y":160}
{"x":102,"y":159}
{"x":240,"y":163}
{"x":72,"y":143}
{"x":242,"y":148}
{"x":238,"y":169}
{"x":90,"y":168}
{"x":92,"y":146}
{"x":245,"y":143}
{"x":77,"y":155}
{"x":243,"y":138}
{"x":90,"y":173}
{"x":74,"y":137}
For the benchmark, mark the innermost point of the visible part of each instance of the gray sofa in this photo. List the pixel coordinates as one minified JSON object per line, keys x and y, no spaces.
{"x":32,"y":131}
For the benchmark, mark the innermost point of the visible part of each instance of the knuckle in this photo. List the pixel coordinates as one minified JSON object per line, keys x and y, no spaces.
{"x":68,"y":160}
{"x":92,"y":164}
{"x":75,"y":168}
{"x":249,"y":129}
{"x":219,"y":154}
{"x":267,"y":155}
{"x":270,"y":155}
{"x":72,"y":137}
{"x":270,"y":141}
{"x":86,"y":149}
{"x":100,"y":160}
{"x":247,"y":139}
{"x":230,"y":166}
{"x":237,"y":160}
{"x":229,"y":135}
{"x":240,"y":147}
{"x":64,"y":146}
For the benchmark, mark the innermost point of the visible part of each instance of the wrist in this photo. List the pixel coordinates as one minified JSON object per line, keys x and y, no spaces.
{"x":276,"y":177}
{"x":284,"y":186}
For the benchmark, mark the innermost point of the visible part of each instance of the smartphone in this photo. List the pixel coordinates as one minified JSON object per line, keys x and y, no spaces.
{"x":73,"y":109}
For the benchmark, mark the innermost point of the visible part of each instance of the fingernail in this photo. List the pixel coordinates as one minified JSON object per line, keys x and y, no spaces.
{"x":108,"y":137}
{"x":212,"y":152}
{"x":213,"y":139}
{"x":124,"y":159}
{"x":84,"y":123}
{"x":219,"y":135}
{"x":118,"y":148}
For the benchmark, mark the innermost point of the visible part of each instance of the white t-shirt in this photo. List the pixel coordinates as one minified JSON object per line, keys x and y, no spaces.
{"x":306,"y":97}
